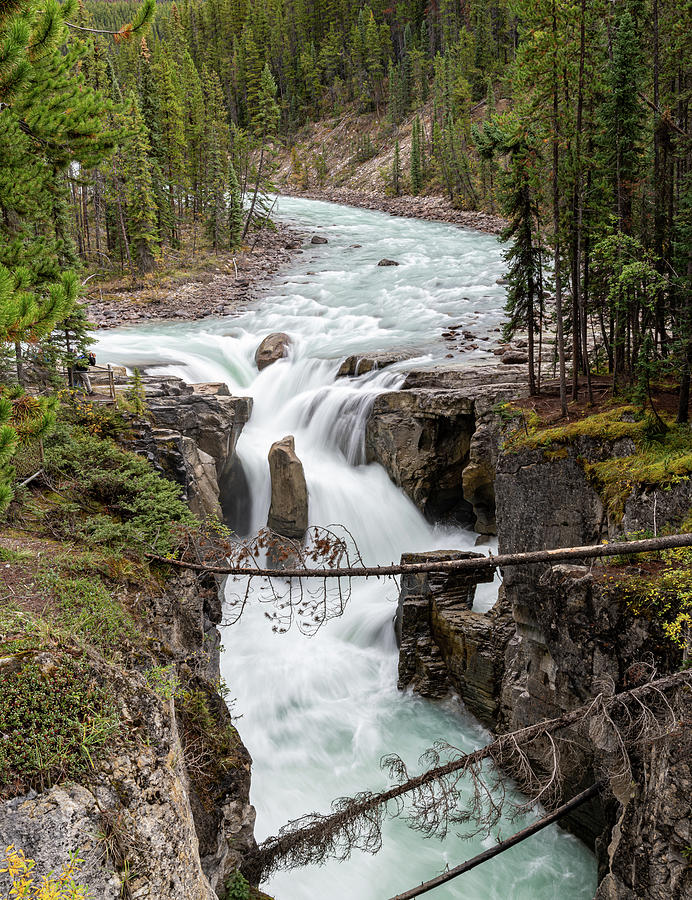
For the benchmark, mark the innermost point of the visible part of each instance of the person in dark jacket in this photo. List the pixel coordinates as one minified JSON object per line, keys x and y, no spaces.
{"x":81,"y":371}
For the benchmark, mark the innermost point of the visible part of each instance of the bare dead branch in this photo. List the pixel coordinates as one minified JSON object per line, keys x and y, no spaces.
{"x":517,"y":838}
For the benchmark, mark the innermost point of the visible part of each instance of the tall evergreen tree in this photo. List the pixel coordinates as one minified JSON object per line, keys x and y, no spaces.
{"x":137,"y":174}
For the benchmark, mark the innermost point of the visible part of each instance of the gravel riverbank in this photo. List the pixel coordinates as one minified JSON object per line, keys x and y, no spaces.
{"x":220,"y":289}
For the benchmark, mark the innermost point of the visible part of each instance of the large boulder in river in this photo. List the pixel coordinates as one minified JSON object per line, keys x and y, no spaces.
{"x":318,"y":239}
{"x":288,"y":513}
{"x":387,"y":262}
{"x":273,"y":347}
{"x":514,"y":357}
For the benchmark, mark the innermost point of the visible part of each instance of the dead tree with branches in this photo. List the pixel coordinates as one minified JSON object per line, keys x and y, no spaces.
{"x":469,"y":791}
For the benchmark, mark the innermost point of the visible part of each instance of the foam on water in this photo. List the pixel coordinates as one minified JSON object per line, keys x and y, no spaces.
{"x":318,"y":713}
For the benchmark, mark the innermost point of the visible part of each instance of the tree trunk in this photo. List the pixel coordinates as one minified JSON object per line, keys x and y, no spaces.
{"x":556,"y":224}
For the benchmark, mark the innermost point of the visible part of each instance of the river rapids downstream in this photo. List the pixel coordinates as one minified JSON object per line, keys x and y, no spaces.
{"x":319,"y":712}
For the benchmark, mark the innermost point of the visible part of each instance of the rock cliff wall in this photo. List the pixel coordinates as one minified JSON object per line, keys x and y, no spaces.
{"x":439,"y":437}
{"x":163,"y":812}
{"x":558,"y":636}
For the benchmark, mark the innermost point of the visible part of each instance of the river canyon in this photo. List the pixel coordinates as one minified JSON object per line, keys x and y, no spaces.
{"x":319,"y":712}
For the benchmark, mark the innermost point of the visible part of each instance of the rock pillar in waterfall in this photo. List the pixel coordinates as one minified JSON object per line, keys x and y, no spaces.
{"x":288,"y":513}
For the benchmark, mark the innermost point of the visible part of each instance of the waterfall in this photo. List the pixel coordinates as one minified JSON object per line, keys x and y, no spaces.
{"x":318,"y":713}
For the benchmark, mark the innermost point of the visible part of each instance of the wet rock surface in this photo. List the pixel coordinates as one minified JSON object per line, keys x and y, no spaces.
{"x":369,"y":362}
{"x":272,"y":348}
{"x":422,"y":439}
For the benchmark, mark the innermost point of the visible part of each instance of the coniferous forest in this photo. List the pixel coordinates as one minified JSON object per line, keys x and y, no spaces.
{"x":146,"y":150}
{"x":569,"y":119}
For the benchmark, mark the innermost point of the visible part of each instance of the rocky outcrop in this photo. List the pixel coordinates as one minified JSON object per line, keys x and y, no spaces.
{"x":189,"y":433}
{"x":444,"y":644}
{"x":422,"y":439}
{"x":152,"y":817}
{"x":439,"y":438}
{"x":288,"y":513}
{"x":273,"y":347}
{"x":165,"y":812}
{"x":478,"y":477}
{"x":573,"y":634}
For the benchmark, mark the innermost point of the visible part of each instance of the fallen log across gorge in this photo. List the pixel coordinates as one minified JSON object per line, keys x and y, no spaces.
{"x":596,"y":551}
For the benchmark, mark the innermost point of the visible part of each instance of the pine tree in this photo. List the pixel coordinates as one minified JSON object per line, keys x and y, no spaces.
{"x":217,"y":211}
{"x":265,"y":123}
{"x":172,"y":139}
{"x":396,"y":170}
{"x":521,"y":207}
{"x":416,"y":167}
{"x":621,"y":114}
{"x":235,"y":209}
{"x":140,"y":203}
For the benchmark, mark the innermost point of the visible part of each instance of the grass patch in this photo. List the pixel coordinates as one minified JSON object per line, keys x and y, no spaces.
{"x":87,"y":611}
{"x":611,"y":425}
{"x":54,"y":718}
{"x":14,"y":556}
{"x":211,"y":743}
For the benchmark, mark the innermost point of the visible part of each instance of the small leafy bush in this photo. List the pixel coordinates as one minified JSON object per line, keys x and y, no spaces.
{"x":21,"y":875}
{"x":665,"y":597}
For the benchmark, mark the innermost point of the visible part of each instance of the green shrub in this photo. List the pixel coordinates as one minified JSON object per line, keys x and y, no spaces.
{"x":127,"y":504}
{"x":237,"y":887}
{"x":665,"y":596}
{"x":54,"y":721}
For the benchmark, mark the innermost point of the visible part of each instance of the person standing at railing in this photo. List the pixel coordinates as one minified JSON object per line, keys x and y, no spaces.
{"x":81,"y":371}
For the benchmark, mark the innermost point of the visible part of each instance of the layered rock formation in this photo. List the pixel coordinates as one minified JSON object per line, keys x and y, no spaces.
{"x":444,"y":644}
{"x":152,"y":813}
{"x":439,"y":437}
{"x":189,"y":434}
